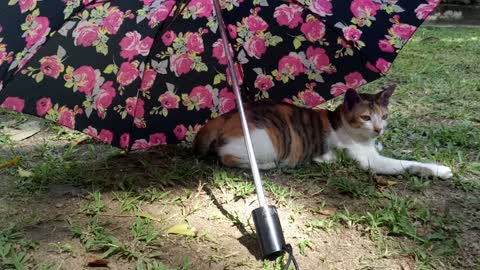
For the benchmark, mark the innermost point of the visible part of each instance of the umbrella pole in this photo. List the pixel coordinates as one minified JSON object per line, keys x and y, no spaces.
{"x":267,"y":223}
{"x":241,"y":111}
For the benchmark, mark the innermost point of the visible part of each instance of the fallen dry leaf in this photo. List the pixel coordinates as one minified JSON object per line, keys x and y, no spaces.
{"x":23,"y":131}
{"x":181,"y":229}
{"x":94,"y":261}
{"x":327,"y":211}
{"x":384,"y":182}
{"x":24,"y":173}
{"x":148,"y":216}
{"x":80,"y":140}
{"x":10,"y":163}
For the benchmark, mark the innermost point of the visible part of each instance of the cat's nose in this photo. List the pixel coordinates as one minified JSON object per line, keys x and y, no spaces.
{"x":377,"y":130}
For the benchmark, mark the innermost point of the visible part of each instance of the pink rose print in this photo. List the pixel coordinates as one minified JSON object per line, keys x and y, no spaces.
{"x":157,"y":139}
{"x":145,"y":45}
{"x":232,"y":31}
{"x":168,"y":37}
{"x":104,"y":98}
{"x":180,"y":131}
{"x":385,"y":46}
{"x":43,"y":106}
{"x":351,"y":33}
{"x":169,"y":100}
{"x":201,"y":8}
{"x":219,"y":52}
{"x":105,"y":136}
{"x":423,"y":10}
{"x":27,"y":5}
{"x":132,"y":45}
{"x":238,"y":73}
{"x":383,"y":65}
{"x":85,"y":34}
{"x":313,"y":29}
{"x":91,"y":131}
{"x":404,"y":31}
{"x":319,"y":59}
{"x":37,"y":32}
{"x":132,"y":104}
{"x":256,"y":23}
{"x":67,"y":117}
{"x":364,"y":8}
{"x":51,"y":66}
{"x":288,"y":15}
{"x":311,"y":98}
{"x":201,"y":96}
{"x":124,"y":140}
{"x":180,"y":64}
{"x":127,"y":74}
{"x":255,"y":47}
{"x":13,"y":104}
{"x":338,"y":89}
{"x":264,"y":82}
{"x":85,"y":79}
{"x":160,"y":13}
{"x":91,"y":4}
{"x":113,"y":20}
{"x":321,"y":7}
{"x":140,"y":145}
{"x":148,"y":79}
{"x":372,"y":67}
{"x":291,"y":65}
{"x":194,"y":42}
{"x":354,"y":80}
{"x":139,"y":113}
{"x":147,"y":2}
{"x":227,"y":100}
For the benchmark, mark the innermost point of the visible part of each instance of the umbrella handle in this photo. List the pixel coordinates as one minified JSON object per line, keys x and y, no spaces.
{"x":238,"y":97}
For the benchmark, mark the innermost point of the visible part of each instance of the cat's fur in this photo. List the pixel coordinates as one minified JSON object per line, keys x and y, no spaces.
{"x":286,"y":135}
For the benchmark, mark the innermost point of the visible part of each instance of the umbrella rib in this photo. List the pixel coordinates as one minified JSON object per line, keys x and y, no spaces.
{"x":161,"y":30}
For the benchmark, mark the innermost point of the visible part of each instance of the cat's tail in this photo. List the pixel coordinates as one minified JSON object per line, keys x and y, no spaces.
{"x":206,"y":138}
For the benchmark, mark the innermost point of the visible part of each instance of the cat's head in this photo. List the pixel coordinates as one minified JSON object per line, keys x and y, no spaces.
{"x":366,"y":114}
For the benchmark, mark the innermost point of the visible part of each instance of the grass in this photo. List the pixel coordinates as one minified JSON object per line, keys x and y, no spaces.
{"x":134,"y":198}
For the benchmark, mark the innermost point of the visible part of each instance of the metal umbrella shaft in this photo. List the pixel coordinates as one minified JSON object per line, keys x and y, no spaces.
{"x":243,"y":118}
{"x":267,"y":223}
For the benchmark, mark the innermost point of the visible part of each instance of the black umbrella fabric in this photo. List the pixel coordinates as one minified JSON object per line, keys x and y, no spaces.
{"x":142,"y":73}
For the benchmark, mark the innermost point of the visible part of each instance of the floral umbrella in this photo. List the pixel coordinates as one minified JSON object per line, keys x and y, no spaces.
{"x":142,"y":73}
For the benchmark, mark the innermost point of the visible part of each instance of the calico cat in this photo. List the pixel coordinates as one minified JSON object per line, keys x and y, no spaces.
{"x":286,"y":135}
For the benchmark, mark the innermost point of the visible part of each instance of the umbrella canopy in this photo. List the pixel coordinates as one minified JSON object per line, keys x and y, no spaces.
{"x":141,"y":73}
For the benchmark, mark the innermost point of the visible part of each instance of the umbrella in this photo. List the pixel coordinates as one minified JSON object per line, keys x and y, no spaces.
{"x":142,"y":73}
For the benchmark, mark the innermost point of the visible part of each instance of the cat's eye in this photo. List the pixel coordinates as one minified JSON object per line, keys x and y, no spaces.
{"x":385,"y":116}
{"x":365,"y":118}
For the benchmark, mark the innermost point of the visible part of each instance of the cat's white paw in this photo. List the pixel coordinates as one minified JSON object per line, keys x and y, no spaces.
{"x":325,"y":158}
{"x":443,"y":172}
{"x":435,"y":170}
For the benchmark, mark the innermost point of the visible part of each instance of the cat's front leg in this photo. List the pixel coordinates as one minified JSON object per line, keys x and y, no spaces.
{"x":369,"y":158}
{"x":325,"y":158}
{"x":430,"y":169}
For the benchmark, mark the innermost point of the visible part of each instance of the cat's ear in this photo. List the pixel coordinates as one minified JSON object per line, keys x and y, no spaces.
{"x":383,"y":97}
{"x":351,"y":99}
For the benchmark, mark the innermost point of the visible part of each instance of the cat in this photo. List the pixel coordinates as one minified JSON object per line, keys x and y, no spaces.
{"x":286,"y":135}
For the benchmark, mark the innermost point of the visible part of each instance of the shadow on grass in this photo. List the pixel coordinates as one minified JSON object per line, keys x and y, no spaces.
{"x":342,"y":186}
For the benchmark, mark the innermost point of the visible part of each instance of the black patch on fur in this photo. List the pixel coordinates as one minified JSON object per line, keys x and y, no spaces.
{"x":334,"y":118}
{"x":351,"y":99}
